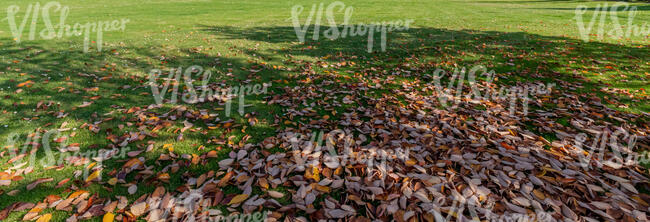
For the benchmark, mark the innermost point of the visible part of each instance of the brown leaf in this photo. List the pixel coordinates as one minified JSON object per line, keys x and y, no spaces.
{"x":37,"y":182}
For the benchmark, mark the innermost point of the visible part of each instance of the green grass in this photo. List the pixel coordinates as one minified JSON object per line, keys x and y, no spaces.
{"x":515,"y":38}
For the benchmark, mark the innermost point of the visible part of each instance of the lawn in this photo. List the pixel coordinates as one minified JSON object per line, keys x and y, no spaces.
{"x":103,"y":100}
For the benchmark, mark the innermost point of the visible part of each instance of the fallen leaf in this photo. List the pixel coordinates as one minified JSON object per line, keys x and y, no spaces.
{"x":238,"y":199}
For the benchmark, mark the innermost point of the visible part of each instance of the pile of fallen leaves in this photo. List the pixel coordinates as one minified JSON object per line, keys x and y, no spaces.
{"x":462,"y":161}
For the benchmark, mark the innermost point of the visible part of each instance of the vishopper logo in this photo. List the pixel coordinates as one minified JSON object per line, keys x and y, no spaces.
{"x":621,"y":155}
{"x":470,"y":209}
{"x":190,"y":204}
{"x":64,"y":153}
{"x":485,"y":93}
{"x":190,"y":93}
{"x":600,"y":14}
{"x":52,"y":30}
{"x":348,"y":30}
{"x":339,"y":149}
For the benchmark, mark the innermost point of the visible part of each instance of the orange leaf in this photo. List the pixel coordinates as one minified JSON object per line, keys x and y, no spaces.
{"x":505,"y":145}
{"x":26,"y":83}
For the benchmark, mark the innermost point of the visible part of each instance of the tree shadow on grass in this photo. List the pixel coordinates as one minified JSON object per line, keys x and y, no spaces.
{"x":518,"y":56}
{"x":608,"y":8}
{"x":55,"y":85}
{"x":64,"y":80}
{"x":532,"y":1}
{"x":72,"y":75}
{"x":553,"y":1}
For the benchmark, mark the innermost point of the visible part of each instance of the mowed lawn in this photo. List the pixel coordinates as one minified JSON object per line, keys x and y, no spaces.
{"x":47,"y":84}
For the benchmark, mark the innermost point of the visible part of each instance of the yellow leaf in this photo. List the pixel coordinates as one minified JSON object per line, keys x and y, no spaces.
{"x":35,"y":210}
{"x":169,"y":146}
{"x":164,"y":176}
{"x":324,"y":189}
{"x":313,"y":174}
{"x":112,"y":181}
{"x":76,"y":194}
{"x":411,"y":162}
{"x":238,"y":199}
{"x":338,"y":171}
{"x":316,"y":173}
{"x":108,"y":217}
{"x":91,"y":165}
{"x":93,"y":175}
{"x":44,"y":218}
{"x":132,"y":162}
